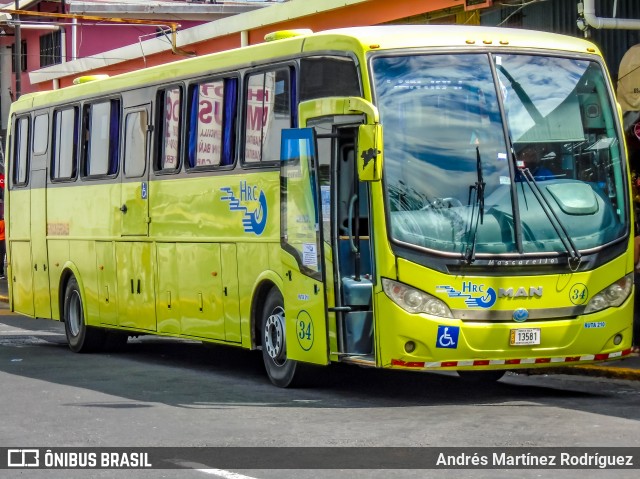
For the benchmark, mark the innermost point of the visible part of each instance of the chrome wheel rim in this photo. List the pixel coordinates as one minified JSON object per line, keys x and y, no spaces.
{"x":274,"y":340}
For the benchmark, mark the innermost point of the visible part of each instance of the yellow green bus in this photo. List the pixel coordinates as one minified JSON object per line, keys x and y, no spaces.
{"x":409,"y":197}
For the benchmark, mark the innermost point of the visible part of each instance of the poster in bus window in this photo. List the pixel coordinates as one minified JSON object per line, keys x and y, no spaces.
{"x":260,"y":114}
{"x":171,"y":128}
{"x":210,"y":114}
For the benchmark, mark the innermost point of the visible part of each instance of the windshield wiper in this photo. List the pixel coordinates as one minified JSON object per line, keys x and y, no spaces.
{"x":561,"y":230}
{"x":522,"y":96}
{"x":477,"y":217}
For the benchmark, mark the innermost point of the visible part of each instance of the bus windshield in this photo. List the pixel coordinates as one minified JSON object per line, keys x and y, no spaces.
{"x":454,"y":164}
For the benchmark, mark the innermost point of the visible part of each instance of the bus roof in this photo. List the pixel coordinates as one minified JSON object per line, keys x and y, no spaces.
{"x":408,"y":36}
{"x":357,"y":39}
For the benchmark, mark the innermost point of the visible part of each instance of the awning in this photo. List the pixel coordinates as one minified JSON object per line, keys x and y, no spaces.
{"x":23,"y":4}
{"x":629,"y":80}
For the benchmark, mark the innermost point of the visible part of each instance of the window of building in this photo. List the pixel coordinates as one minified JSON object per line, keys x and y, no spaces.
{"x":20,"y":165}
{"x":23,"y":57}
{"x":212,"y":123}
{"x":65,"y":144}
{"x":135,"y":143}
{"x":170,"y":129}
{"x":101,"y":133}
{"x":268,"y":112}
{"x":50,"y":49}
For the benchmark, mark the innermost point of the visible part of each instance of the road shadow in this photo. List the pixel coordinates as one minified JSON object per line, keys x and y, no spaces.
{"x":188,"y":374}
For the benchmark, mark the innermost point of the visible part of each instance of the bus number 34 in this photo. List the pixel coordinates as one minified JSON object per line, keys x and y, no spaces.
{"x":304,"y":330}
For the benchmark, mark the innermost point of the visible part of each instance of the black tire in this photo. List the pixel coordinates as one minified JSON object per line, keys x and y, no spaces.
{"x":80,"y":337}
{"x":281,"y":371}
{"x":482,"y":377}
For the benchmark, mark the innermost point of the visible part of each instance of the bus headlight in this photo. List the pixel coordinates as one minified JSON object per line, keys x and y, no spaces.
{"x":413,"y":300}
{"x":613,"y":295}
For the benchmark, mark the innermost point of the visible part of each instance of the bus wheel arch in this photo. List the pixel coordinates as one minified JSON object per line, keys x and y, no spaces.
{"x":64,"y":280}
{"x":272,"y":338}
{"x":80,"y":337}
{"x":257,"y":306}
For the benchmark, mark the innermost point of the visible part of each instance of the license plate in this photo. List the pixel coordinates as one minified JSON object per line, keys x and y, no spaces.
{"x":525,"y":336}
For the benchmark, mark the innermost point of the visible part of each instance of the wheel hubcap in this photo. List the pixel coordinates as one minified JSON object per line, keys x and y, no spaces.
{"x":274,"y":341}
{"x":75,"y":313}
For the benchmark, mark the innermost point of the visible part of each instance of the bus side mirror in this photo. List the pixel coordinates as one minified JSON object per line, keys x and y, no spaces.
{"x":370,"y":152}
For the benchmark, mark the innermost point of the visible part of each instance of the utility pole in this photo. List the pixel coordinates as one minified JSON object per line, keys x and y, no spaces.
{"x":18,"y":51}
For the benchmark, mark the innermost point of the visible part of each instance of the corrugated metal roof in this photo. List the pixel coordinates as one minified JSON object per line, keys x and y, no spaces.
{"x":168,"y":9}
{"x":176,"y":10}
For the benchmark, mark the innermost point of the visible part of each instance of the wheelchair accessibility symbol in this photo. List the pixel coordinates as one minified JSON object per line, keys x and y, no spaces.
{"x":447,"y":337}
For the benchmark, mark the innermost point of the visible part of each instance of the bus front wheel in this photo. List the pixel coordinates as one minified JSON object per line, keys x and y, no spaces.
{"x":80,"y":337}
{"x":280,"y":370}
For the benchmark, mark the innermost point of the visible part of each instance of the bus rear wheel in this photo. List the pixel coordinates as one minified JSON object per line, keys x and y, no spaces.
{"x":80,"y":337}
{"x":280,"y":370}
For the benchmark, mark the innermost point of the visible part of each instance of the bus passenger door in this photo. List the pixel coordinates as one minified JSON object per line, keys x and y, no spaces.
{"x":302,"y":253}
{"x":135,"y":259}
{"x":39,"y":257}
{"x":135,"y":175}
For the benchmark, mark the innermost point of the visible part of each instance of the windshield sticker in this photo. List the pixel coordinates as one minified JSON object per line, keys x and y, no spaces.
{"x":309,"y":255}
{"x":255,"y":217}
{"x":447,"y":337}
{"x":476,"y":295}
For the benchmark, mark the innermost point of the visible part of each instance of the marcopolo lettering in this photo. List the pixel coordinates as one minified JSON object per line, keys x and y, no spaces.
{"x":523,"y":262}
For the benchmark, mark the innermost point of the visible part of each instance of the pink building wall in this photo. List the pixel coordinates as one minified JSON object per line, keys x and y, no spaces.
{"x":93,"y":39}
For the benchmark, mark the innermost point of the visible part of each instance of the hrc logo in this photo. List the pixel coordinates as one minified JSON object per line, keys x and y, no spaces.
{"x":255,"y":220}
{"x":475,"y":295}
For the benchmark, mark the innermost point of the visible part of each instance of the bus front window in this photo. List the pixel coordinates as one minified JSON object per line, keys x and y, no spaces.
{"x":451,"y":177}
{"x":559,"y":113}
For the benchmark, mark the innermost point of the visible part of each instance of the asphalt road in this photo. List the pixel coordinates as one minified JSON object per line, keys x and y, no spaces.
{"x":160,"y":392}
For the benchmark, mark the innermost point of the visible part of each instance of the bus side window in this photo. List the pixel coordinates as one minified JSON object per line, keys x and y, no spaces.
{"x":135,"y":144}
{"x":213,"y":113}
{"x":328,"y":76}
{"x":101,"y":138}
{"x":20,"y":166}
{"x":65,"y":144}
{"x":169,"y":129}
{"x":268,"y":99}
{"x":41,"y":140}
